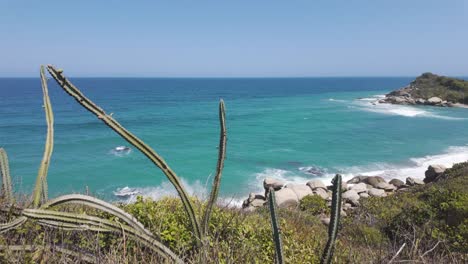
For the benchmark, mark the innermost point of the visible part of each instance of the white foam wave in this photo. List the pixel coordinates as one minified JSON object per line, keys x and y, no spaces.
{"x":372,"y":105}
{"x":415,"y":167}
{"x":336,"y":100}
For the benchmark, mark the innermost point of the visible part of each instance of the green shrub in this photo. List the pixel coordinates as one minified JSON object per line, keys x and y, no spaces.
{"x":314,"y":204}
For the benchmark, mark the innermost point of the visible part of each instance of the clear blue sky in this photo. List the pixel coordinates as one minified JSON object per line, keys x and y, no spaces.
{"x":234,"y":38}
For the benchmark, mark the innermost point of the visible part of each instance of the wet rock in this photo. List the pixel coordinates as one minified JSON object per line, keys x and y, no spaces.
{"x":412,"y":181}
{"x":397,"y":183}
{"x":434,"y":171}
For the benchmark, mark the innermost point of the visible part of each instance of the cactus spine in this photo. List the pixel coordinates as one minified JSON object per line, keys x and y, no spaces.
{"x":40,"y":193}
{"x":135,"y":141}
{"x":275,"y":226}
{"x":6,"y":178}
{"x":219,"y":169}
{"x":334,"y":220}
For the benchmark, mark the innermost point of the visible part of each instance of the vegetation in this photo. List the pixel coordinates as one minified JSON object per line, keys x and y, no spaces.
{"x":450,"y":89}
{"x":427,"y":224}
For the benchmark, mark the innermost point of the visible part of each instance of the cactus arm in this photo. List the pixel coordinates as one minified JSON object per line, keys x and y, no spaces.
{"x":13,"y":224}
{"x":135,"y":141}
{"x":219,"y":169}
{"x":275,"y":227}
{"x":55,"y":218}
{"x":6,"y":178}
{"x":97,"y":204}
{"x":81,"y":256}
{"x":40,"y":190}
{"x":334,"y":220}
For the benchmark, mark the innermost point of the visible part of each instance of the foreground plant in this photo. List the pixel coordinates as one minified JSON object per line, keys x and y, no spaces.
{"x":42,"y":208}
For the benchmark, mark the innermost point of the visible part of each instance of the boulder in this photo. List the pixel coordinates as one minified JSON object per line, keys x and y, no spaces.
{"x":397,"y":183}
{"x":377,"y":193}
{"x":357,"y":179}
{"x":300,"y":190}
{"x":420,"y":101}
{"x":314,"y":184}
{"x":322,"y":193}
{"x":257,"y":202}
{"x":286,"y":197}
{"x":433,"y":171}
{"x":269,"y":182}
{"x":364,"y":195}
{"x":374,"y":180}
{"x":352,"y":196}
{"x":325,"y":220}
{"x":412,"y":181}
{"x":434,"y":100}
{"x":347,"y":206}
{"x":344,"y":186}
{"x":359,"y":188}
{"x":386,"y":186}
{"x":254,"y":200}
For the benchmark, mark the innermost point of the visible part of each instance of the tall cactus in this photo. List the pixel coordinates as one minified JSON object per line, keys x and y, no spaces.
{"x":334,"y":220}
{"x":275,"y":227}
{"x":219,"y":169}
{"x":40,"y":194}
{"x":6,"y":178}
{"x":135,"y":141}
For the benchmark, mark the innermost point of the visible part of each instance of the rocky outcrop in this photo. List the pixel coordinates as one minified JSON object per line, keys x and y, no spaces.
{"x":430,"y":89}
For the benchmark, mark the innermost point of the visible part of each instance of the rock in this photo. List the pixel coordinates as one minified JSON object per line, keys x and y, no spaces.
{"x":374,"y":180}
{"x":249,"y":209}
{"x":314,"y":184}
{"x":344,"y":186}
{"x":269,"y":182}
{"x":357,"y":179}
{"x":300,"y":190}
{"x":434,"y":100}
{"x":386,"y":186}
{"x":347,"y":206}
{"x":286,"y":197}
{"x":364,"y":195}
{"x":397,"y":183}
{"x":420,"y":101}
{"x":352,"y":196}
{"x":360,"y":187}
{"x":412,"y":181}
{"x":322,"y":193}
{"x":377,"y":193}
{"x":433,"y":171}
{"x":325,"y":220}
{"x":257,"y":202}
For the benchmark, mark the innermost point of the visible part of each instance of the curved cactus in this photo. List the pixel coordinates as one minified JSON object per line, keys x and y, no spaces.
{"x":219,"y":169}
{"x":79,"y":255}
{"x":6,"y":178}
{"x":97,"y":204}
{"x":275,"y":226}
{"x":132,"y":139}
{"x":334,"y":220}
{"x":13,"y":224}
{"x":57,"y":219}
{"x":40,"y":190}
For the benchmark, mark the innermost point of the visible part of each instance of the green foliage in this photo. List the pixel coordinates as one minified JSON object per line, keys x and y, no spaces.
{"x":314,"y":205}
{"x":450,"y":89}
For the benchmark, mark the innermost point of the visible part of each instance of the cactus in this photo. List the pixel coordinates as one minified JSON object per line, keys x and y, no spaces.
{"x":219,"y":170}
{"x":334,"y":220}
{"x":13,"y":224}
{"x":275,"y":227}
{"x":135,"y":141}
{"x":6,"y":178}
{"x":79,"y":255}
{"x":40,"y":193}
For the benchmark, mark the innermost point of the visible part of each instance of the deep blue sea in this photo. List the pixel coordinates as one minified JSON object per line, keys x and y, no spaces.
{"x":288,"y":128}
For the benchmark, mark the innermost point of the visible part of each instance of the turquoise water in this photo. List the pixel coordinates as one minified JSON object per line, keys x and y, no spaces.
{"x":292,"y":129}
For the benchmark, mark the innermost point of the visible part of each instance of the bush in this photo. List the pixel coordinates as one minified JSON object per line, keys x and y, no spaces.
{"x":314,"y":204}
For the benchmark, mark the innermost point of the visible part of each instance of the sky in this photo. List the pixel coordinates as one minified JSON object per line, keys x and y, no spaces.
{"x":234,"y":38}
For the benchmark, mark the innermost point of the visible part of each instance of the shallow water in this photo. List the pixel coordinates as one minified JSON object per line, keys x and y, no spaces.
{"x":279,"y":128}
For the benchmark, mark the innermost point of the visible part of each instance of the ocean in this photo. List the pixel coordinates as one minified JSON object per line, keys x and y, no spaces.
{"x":294,"y":129}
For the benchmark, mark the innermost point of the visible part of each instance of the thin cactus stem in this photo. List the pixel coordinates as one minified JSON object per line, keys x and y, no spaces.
{"x":6,"y":178}
{"x":71,"y":227}
{"x":40,"y":193}
{"x":219,"y":169}
{"x":334,"y":220}
{"x":55,"y":217}
{"x":275,"y":227}
{"x":82,"y":257}
{"x":135,"y":141}
{"x":13,"y":224}
{"x":98,"y":204}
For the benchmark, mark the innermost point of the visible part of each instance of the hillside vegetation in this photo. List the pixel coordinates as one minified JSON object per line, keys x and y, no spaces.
{"x":431,"y":85}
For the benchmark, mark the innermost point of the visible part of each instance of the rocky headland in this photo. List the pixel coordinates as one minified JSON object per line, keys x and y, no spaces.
{"x":354,"y":190}
{"x":431,"y":89}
